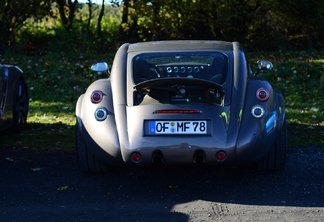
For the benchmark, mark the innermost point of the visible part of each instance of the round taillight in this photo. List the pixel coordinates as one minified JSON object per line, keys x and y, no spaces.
{"x":136,"y":157}
{"x":221,"y":156}
{"x":257,"y":111}
{"x":96,"y":96}
{"x":101,"y":114}
{"x":262,"y":94}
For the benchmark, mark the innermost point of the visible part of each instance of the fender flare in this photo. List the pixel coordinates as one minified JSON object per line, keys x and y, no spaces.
{"x":100,"y":136}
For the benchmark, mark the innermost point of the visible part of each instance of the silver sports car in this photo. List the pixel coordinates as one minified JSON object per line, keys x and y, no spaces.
{"x":181,"y":102}
{"x":13,"y":99}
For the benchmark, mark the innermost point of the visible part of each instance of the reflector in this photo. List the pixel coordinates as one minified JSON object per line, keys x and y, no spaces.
{"x":221,"y":156}
{"x":136,"y":157}
{"x":178,"y":111}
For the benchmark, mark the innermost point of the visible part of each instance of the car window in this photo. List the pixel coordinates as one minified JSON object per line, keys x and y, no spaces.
{"x":211,"y":66}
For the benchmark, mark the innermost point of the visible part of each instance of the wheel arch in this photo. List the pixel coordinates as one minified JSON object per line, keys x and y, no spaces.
{"x":257,"y":135}
{"x":101,"y":137}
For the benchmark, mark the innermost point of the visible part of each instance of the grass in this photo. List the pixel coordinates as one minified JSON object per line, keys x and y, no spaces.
{"x":55,"y":81}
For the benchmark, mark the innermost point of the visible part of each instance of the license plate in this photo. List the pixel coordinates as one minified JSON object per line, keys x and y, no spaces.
{"x":178,"y":127}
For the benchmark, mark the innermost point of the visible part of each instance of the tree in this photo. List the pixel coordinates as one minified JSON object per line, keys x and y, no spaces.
{"x":67,"y":10}
{"x":303,"y":21}
{"x":100,"y":18}
{"x":13,"y":14}
{"x":179,"y":19}
{"x":89,"y":3}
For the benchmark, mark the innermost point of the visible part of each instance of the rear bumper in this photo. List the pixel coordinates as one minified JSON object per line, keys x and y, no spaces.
{"x":130,"y":145}
{"x":180,"y":154}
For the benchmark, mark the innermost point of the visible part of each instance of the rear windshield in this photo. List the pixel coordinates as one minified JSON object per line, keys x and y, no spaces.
{"x":211,"y":66}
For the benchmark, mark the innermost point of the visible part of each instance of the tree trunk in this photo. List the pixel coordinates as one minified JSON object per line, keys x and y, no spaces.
{"x":72,"y":7}
{"x":100,"y":18}
{"x":67,"y":19}
{"x":123,"y":34}
{"x":90,"y":16}
{"x":125,"y":11}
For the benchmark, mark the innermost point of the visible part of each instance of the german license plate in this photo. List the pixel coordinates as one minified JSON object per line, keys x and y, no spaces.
{"x":178,"y":127}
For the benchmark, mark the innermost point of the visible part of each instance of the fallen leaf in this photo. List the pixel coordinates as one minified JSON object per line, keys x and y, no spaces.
{"x":63,"y":188}
{"x":9,"y":159}
{"x":35,"y":169}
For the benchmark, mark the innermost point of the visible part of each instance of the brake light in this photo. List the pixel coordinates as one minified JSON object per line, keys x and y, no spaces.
{"x":262,"y":94}
{"x":178,"y":111}
{"x":96,"y":96}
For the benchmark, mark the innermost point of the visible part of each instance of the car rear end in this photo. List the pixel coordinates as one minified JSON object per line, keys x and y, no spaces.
{"x":179,"y":106}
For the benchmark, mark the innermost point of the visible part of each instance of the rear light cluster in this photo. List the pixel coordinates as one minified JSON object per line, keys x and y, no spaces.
{"x":178,"y":111}
{"x":258,"y":111}
{"x":101,"y":113}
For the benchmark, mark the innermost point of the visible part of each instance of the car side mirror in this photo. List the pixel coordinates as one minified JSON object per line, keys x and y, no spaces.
{"x":263,"y":65}
{"x":100,"y":67}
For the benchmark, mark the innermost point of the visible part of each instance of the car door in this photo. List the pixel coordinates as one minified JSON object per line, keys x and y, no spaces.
{"x":2,"y":82}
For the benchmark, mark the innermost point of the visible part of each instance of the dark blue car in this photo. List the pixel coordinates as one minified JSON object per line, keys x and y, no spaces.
{"x":13,"y":99}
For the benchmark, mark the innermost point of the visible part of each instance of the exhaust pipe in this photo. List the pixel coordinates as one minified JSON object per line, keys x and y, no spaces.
{"x":157,"y":158}
{"x":199,"y":157}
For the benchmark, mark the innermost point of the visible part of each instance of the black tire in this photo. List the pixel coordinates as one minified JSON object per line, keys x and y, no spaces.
{"x":87,"y":162}
{"x":275,"y":159}
{"x":20,"y":106}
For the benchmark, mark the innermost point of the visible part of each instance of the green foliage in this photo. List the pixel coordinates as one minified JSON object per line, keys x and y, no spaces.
{"x":304,"y":21}
{"x":14,"y":13}
{"x":48,"y":35}
{"x":258,"y":25}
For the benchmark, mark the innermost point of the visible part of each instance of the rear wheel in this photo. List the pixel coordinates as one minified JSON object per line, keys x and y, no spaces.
{"x":87,"y":162}
{"x":275,"y":159}
{"x":20,"y":106}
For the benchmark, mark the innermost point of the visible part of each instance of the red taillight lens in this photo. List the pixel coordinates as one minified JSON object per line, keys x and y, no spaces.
{"x":96,"y":96}
{"x":221,"y":156}
{"x":178,"y":111}
{"x":136,"y":157}
{"x":262,"y":94}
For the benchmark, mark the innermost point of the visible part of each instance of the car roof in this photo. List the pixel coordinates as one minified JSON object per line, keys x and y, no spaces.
{"x":172,"y":45}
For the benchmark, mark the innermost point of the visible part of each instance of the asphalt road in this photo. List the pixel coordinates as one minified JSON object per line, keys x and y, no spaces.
{"x":47,"y":186}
